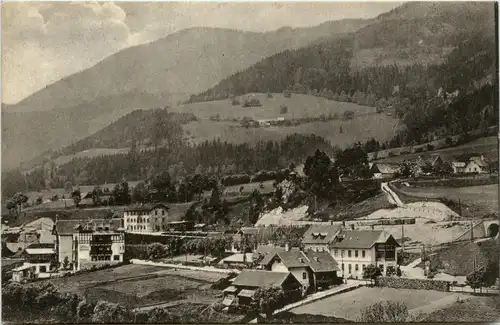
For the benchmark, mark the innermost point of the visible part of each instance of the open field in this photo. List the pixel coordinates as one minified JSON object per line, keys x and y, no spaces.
{"x":473,"y":309}
{"x":299,"y":106}
{"x":138,"y":285}
{"x":479,"y":200}
{"x":487,"y":146}
{"x":348,"y":305}
{"x":360,"y":128}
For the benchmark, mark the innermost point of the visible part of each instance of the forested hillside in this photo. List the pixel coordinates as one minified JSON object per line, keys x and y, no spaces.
{"x":143,"y":128}
{"x":419,"y":92}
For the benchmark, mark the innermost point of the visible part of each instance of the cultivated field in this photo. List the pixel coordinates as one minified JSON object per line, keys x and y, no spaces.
{"x":478,"y":200}
{"x":139,"y":286}
{"x":349,"y":305}
{"x":360,"y":128}
{"x":299,"y":106}
{"x":487,"y":146}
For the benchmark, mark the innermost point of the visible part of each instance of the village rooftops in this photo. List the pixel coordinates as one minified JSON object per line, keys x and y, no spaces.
{"x":359,"y":239}
{"x":68,"y":227}
{"x":317,"y":261}
{"x":248,"y":231}
{"x":145,"y":207}
{"x":320,"y":234}
{"x":260,"y":279}
{"x":385,"y":168}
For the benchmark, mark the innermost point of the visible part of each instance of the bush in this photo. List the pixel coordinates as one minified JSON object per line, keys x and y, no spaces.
{"x":235,"y":102}
{"x":235,"y":179}
{"x":254,"y":102}
{"x":418,"y":284}
{"x":348,"y":115}
{"x":283,"y":109}
{"x":385,"y":312}
{"x":287,"y":94}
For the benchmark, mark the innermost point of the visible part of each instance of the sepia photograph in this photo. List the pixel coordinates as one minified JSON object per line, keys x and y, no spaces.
{"x":249,"y":162}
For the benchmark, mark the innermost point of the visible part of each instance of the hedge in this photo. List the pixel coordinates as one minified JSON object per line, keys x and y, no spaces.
{"x":418,"y":284}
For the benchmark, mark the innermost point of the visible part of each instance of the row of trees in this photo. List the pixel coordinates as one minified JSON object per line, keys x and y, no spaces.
{"x":210,"y":157}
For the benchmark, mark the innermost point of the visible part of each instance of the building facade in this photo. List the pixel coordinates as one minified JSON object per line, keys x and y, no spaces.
{"x":84,"y":244}
{"x":356,"y":249}
{"x":146,"y":218}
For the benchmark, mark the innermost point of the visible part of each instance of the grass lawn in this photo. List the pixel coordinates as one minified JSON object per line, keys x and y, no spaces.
{"x":479,"y":199}
{"x":474,"y":309}
{"x":349,"y":305}
{"x":360,"y":128}
{"x":299,"y":106}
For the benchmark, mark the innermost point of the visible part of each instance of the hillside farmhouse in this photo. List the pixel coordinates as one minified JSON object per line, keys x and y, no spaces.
{"x":384,"y":170}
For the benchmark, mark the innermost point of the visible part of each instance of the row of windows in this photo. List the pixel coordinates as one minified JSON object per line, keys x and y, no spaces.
{"x":349,"y":253}
{"x":143,"y":213}
{"x":356,"y":267}
{"x":144,"y":220}
{"x":105,"y":258}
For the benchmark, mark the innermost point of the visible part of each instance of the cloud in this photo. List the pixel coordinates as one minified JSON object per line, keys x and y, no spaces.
{"x":44,"y":42}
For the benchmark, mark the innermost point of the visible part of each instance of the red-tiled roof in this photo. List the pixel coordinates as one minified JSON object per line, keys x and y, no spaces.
{"x":320,"y":234}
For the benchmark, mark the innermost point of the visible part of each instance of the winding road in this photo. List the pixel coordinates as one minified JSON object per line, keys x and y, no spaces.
{"x":393,"y":197}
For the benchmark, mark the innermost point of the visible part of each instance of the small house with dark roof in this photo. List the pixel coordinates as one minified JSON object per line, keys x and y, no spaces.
{"x":248,"y":281}
{"x":312,"y":269}
{"x":146,"y":217}
{"x":384,"y":170}
{"x":318,"y":237}
{"x":355,"y":249}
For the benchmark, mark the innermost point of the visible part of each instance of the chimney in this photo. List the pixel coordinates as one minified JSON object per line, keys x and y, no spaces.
{"x":352,"y":226}
{"x":287,"y":247}
{"x":301,"y":260}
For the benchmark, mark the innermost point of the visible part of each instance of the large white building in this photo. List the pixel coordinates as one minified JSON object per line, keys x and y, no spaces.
{"x":355,"y":249}
{"x":146,"y":218}
{"x":85,"y":243}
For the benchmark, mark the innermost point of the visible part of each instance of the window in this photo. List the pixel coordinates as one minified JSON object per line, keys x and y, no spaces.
{"x":336,"y":252}
{"x":363,"y":267}
{"x":156,"y":212}
{"x":356,"y":268}
{"x":116,"y":257}
{"x":304,"y":275}
{"x":43,"y":268}
{"x":363,"y":254}
{"x":350,"y":267}
{"x":162,"y":212}
{"x":342,"y":252}
{"x":356,"y":253}
{"x":381,"y":267}
{"x":349,"y":253}
{"x":342,"y":267}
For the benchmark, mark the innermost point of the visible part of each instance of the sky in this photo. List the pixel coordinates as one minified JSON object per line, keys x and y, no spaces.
{"x":43,"y":42}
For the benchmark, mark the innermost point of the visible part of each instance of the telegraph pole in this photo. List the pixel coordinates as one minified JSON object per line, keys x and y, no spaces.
{"x":403,"y":236}
{"x":495,"y":76}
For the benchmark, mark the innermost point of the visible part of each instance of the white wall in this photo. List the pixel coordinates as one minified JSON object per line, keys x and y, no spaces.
{"x":65,"y":247}
{"x":353,"y":260}
{"x":316,"y":247}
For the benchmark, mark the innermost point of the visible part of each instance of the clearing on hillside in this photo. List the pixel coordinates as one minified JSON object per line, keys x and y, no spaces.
{"x":299,"y":106}
{"x":487,"y":146}
{"x":361,"y":128}
{"x":477,"y":200}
